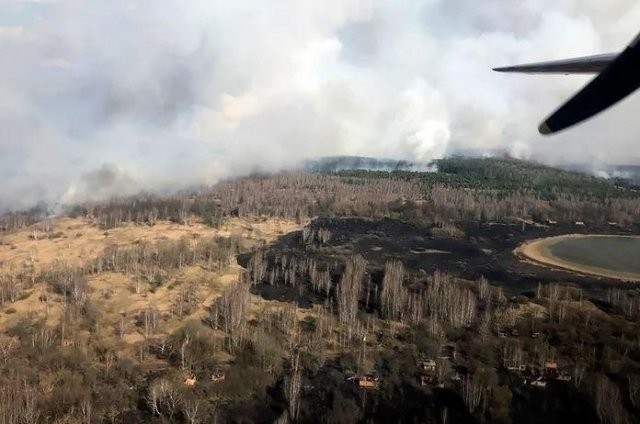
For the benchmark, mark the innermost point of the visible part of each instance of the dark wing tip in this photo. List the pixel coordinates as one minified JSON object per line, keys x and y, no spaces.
{"x":544,"y":129}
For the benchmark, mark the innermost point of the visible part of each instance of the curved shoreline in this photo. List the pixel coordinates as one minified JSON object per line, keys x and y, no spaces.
{"x":537,"y":251}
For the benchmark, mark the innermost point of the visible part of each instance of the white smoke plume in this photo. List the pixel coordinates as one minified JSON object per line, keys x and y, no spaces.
{"x":110,"y":97}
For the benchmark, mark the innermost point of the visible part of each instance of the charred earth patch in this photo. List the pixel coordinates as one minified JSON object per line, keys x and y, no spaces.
{"x":484,"y":250}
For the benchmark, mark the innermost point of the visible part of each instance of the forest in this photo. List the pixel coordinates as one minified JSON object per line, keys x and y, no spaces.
{"x":500,"y":190}
{"x":320,"y":296}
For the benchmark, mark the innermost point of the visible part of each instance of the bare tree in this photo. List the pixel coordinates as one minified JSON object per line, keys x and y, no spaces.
{"x":8,"y":346}
{"x":86,"y":410}
{"x":443,"y":369}
{"x":257,"y":267}
{"x":150,"y":317}
{"x":292,"y":388}
{"x":183,"y":347}
{"x":512,"y":354}
{"x":472,"y":392}
{"x":608,"y":401}
{"x":578,"y":373}
{"x":447,"y":301}
{"x":393,"y":296}
{"x":191,"y":407}
{"x":348,"y":293}
{"x":229,"y":311}
{"x":18,"y":402}
{"x":163,"y":398}
{"x":485,"y":290}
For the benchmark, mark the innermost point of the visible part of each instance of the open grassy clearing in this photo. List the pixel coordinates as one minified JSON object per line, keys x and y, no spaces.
{"x":119,"y":299}
{"x":78,"y":239}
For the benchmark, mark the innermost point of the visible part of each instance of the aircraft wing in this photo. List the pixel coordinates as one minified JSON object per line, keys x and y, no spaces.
{"x":618,"y":77}
{"x":613,"y":84}
{"x":580,"y":65}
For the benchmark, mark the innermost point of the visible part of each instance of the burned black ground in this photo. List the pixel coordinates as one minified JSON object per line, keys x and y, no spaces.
{"x":484,"y":249}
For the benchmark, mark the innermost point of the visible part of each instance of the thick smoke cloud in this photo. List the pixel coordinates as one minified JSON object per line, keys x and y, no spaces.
{"x":108,"y":97}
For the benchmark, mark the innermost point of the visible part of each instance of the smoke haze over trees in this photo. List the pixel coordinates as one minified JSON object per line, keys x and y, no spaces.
{"x":103,"y":98}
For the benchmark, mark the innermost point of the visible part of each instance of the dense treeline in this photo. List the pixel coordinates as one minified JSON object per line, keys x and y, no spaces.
{"x":439,"y":299}
{"x":14,"y":220}
{"x":511,"y":175}
{"x":502,"y":189}
{"x":462,"y":189}
{"x":291,"y":195}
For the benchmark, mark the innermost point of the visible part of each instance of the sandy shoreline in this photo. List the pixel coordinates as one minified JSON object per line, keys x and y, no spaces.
{"x":538,"y":252}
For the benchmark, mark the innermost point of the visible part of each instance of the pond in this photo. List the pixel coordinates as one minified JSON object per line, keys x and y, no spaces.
{"x":604,"y":255}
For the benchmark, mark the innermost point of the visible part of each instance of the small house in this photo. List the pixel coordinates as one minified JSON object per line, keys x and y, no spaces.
{"x":368,"y":382}
{"x":456,"y":377}
{"x":448,"y":352}
{"x":564,"y":376}
{"x":519,"y":368}
{"x":218,"y":375}
{"x":428,"y":365}
{"x":540,"y":382}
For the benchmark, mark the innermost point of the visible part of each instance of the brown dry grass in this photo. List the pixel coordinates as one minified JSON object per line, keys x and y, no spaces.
{"x":81,"y":240}
{"x":114,"y":294}
{"x":531,"y":310}
{"x":32,"y":308}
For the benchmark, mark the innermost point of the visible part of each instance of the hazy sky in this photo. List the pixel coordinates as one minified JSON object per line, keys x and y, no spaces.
{"x":109,"y":97}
